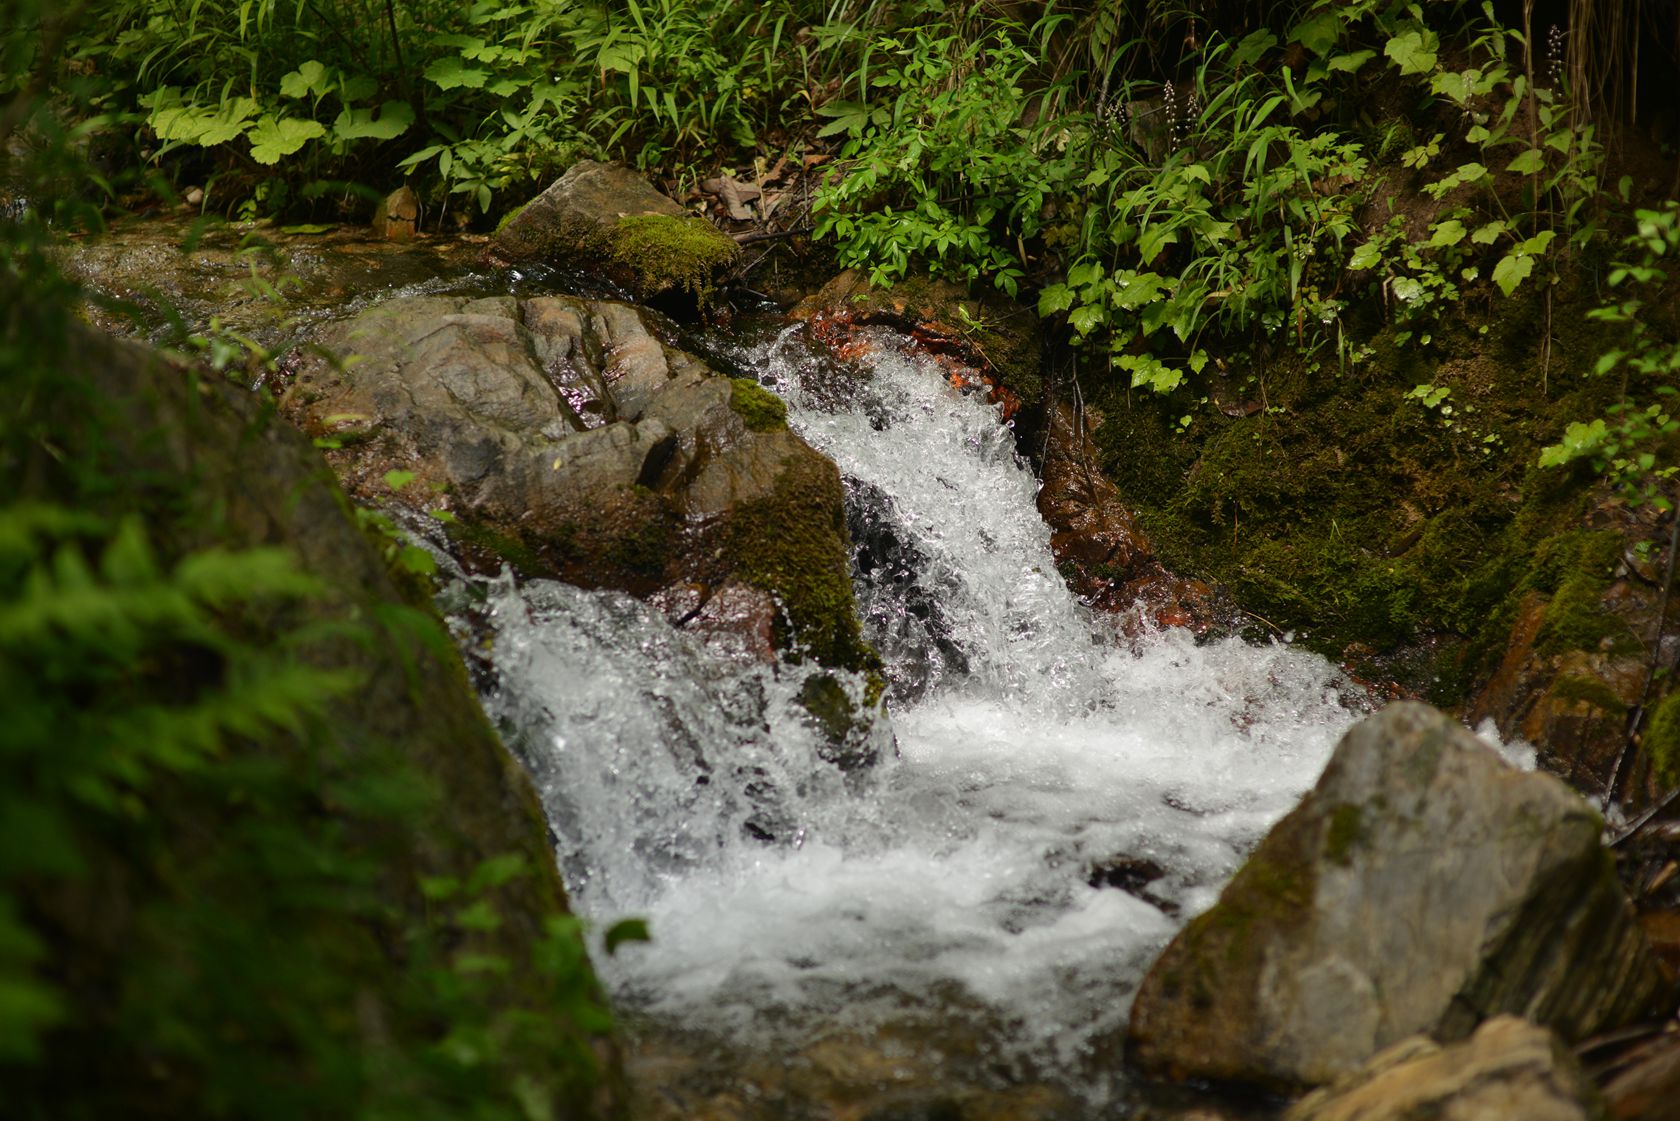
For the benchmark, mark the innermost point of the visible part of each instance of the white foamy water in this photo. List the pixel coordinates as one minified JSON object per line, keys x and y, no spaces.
{"x":1035,"y":747}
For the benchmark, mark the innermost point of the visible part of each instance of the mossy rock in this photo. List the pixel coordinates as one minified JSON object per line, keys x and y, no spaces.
{"x":660,"y":253}
{"x":761,"y":410}
{"x":775,"y":543}
{"x":607,"y":215}
{"x":1662,"y":739}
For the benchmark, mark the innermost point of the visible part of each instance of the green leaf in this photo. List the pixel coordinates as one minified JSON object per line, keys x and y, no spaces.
{"x":1406,"y":289}
{"x":1252,"y":47}
{"x":1528,"y":162}
{"x":397,"y":480}
{"x":1054,"y":298}
{"x":1579,"y":440}
{"x":1318,"y":33}
{"x":309,"y":78}
{"x":1412,"y":51}
{"x":1489,"y":233}
{"x":357,"y":88}
{"x":1350,"y":63}
{"x":1447,"y":233}
{"x":1085,"y":319}
{"x":272,"y":138}
{"x":1512,"y":270}
{"x":451,"y":73}
{"x":392,"y":120}
{"x":1366,"y":256}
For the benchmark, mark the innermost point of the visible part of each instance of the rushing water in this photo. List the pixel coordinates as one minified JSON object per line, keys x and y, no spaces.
{"x":1039,"y":751}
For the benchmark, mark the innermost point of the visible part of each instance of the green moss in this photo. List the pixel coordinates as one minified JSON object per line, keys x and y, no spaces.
{"x":510,"y":216}
{"x":1589,"y":691}
{"x":777,"y":544}
{"x":1662,"y":739}
{"x":642,"y":549}
{"x":664,"y":252}
{"x":762,"y":410}
{"x":1345,"y":832}
{"x":508,"y":548}
{"x":1577,"y":568}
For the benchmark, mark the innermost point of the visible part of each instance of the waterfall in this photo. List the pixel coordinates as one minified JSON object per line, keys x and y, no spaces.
{"x":1054,"y":795}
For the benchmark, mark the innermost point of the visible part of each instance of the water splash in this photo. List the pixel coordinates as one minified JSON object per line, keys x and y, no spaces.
{"x":1042,"y":757}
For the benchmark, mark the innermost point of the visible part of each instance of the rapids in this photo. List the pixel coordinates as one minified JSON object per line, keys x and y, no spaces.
{"x":1028,"y":747}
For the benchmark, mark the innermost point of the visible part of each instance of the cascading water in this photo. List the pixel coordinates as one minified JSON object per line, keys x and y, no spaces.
{"x":1043,"y":760}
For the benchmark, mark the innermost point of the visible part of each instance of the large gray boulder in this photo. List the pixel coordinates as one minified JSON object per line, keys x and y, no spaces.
{"x":1422,"y":886}
{"x":1508,"y":1070}
{"x":607,"y":216}
{"x":566,"y":436}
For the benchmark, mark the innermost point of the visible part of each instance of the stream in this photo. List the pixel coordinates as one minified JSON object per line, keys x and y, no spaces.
{"x":1053,"y":798}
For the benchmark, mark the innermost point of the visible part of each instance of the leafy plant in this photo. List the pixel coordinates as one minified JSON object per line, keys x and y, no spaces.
{"x":1633,"y":444}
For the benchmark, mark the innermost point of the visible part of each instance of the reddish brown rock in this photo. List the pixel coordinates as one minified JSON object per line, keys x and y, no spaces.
{"x":1099,"y":548}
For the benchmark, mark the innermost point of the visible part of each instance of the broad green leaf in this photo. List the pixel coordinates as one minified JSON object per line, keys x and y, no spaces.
{"x":1252,"y":46}
{"x":1578,"y":440}
{"x":392,"y":120}
{"x":1154,"y":239}
{"x":1406,"y":289}
{"x":1412,"y":51}
{"x":309,"y":78}
{"x":451,"y":73}
{"x":1537,"y":244}
{"x":1366,"y":256}
{"x":1350,"y":63}
{"x":1447,"y":233}
{"x":1456,"y":84}
{"x":1512,"y":270}
{"x":1134,"y":290}
{"x":1054,"y":298}
{"x":397,"y":480}
{"x":1528,"y":162}
{"x":1085,"y":319}
{"x":1318,"y":33}
{"x":272,"y":138}
{"x":1488,"y":233}
{"x":357,"y":88}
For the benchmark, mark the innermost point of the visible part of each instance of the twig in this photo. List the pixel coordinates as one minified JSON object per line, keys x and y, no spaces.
{"x":1636,"y":716}
{"x":1644,"y":819}
{"x":767,"y":235}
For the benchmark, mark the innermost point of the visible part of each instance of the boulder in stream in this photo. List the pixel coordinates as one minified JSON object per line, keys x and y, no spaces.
{"x":1508,"y":1069}
{"x":1423,"y":885}
{"x":605,"y":215}
{"x":571,"y":439}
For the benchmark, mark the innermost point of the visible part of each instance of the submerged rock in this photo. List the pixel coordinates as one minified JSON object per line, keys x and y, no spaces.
{"x":568,"y":437}
{"x":607,"y":215}
{"x":1508,"y":1069}
{"x":1422,"y":886}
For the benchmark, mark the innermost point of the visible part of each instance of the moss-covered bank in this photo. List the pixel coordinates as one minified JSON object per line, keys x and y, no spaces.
{"x":1350,"y":512}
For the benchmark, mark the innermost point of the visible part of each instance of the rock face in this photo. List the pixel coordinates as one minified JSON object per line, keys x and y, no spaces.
{"x":602,"y":214}
{"x":1422,"y":886}
{"x":1099,"y":547}
{"x":566,"y":436}
{"x":1507,"y":1069}
{"x":252,"y":480}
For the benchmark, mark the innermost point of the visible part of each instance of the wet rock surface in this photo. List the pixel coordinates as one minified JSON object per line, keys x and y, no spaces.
{"x":569,"y":437}
{"x":1100,"y":550}
{"x":1422,"y":886}
{"x":1508,"y":1069}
